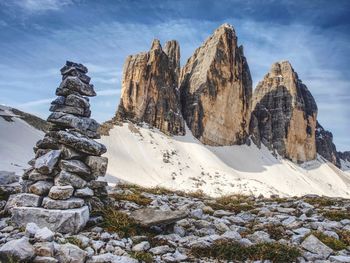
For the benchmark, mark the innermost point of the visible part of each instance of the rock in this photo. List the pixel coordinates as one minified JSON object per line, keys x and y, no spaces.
{"x":149,"y":89}
{"x":40,"y":187}
{"x":44,"y":234}
{"x":79,"y":142}
{"x":312,"y":244}
{"x":73,"y":85}
{"x":84,"y":192}
{"x":70,"y":203}
{"x":325,"y":146}
{"x":151,"y":217}
{"x":8,"y":177}
{"x":39,"y":259}
{"x":67,"y":178}
{"x":160,"y":250}
{"x":75,"y":166}
{"x":72,"y":66}
{"x":61,"y":192}
{"x":110,"y":258}
{"x":143,"y":246}
{"x":221,"y":213}
{"x":69,"y":153}
{"x":98,"y":165}
{"x":284,"y":114}
{"x":216,"y":90}
{"x":31,"y":229}
{"x":70,"y":110}
{"x":36,"y":176}
{"x":259,"y":237}
{"x":44,"y":249}
{"x":63,"y":221}
{"x":70,"y":253}
{"x":340,"y":259}
{"x":172,"y":50}
{"x":77,"y":101}
{"x":46,"y":163}
{"x":20,"y":250}
{"x":10,"y":189}
{"x":231,"y":235}
{"x":18,"y":200}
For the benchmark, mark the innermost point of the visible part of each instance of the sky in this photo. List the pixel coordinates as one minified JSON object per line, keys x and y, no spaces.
{"x":38,"y":36}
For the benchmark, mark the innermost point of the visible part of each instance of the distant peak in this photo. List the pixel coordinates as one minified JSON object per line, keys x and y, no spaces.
{"x":223,"y":28}
{"x":156,"y":44}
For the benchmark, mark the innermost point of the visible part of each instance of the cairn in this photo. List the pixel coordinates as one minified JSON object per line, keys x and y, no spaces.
{"x":63,"y":182}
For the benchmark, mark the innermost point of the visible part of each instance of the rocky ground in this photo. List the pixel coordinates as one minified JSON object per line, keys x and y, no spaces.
{"x":156,"y":225}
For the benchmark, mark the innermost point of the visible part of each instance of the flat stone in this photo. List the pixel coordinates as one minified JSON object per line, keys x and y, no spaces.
{"x":24,"y":199}
{"x":70,"y":203}
{"x":151,"y":217}
{"x":46,"y":163}
{"x":143,"y":246}
{"x":160,"y":250}
{"x":70,"y":109}
{"x":8,"y":177}
{"x":77,"y":101}
{"x":70,"y":253}
{"x":39,"y":259}
{"x":69,"y":153}
{"x":340,"y":259}
{"x":35,"y":176}
{"x":63,"y":221}
{"x":75,"y":166}
{"x":67,"y":178}
{"x":10,"y":189}
{"x":312,"y":244}
{"x":72,"y":65}
{"x":58,"y":192}
{"x":84,"y":125}
{"x":44,"y":234}
{"x":31,"y":229}
{"x":109,"y":257}
{"x":79,"y":142}
{"x":19,"y":249}
{"x":40,"y":187}
{"x":84,"y":192}
{"x":98,"y":165}
{"x":74,"y":85}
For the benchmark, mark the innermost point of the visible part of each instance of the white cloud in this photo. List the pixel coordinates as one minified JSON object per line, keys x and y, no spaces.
{"x":42,"y":5}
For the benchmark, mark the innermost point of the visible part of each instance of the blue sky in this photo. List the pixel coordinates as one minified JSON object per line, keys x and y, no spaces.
{"x":38,"y":36}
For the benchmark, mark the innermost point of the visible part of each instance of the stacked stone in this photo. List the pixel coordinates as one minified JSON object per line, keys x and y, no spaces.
{"x":68,"y":161}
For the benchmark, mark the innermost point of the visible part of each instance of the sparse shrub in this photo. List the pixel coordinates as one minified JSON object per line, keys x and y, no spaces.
{"x":75,"y":241}
{"x":344,"y":236}
{"x":134,"y":197}
{"x":320,"y":201}
{"x":275,"y":231}
{"x":235,"y":203}
{"x":142,"y":256}
{"x":331,"y":242}
{"x":336,"y":215}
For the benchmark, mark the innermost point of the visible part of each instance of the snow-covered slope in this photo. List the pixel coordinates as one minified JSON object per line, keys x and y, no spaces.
{"x":17,"y":139}
{"x":150,"y":158}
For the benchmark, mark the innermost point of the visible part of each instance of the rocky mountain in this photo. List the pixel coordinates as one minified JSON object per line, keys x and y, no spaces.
{"x":284,"y":114}
{"x":149,"y":89}
{"x":216,"y":90}
{"x":325,"y":146}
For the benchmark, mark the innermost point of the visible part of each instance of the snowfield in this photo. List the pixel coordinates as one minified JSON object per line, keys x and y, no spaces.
{"x":17,"y":139}
{"x":149,"y":158}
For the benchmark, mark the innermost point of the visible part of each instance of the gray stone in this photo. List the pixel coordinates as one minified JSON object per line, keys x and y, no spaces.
{"x":75,"y":166}
{"x":59,"y":192}
{"x":110,"y":258}
{"x":69,"y":153}
{"x":143,"y":246}
{"x":40,"y":187}
{"x":340,"y":259}
{"x":313,"y":245}
{"x":259,"y":237}
{"x":79,"y":142}
{"x":31,"y":229}
{"x":77,"y":101}
{"x":67,"y":178}
{"x":27,"y":200}
{"x":98,"y":165}
{"x":10,"y":189}
{"x":46,"y":163}
{"x":44,"y":249}
{"x":8,"y":177}
{"x":63,"y":221}
{"x":151,"y":217}
{"x":70,"y":253}
{"x":84,"y":192}
{"x":18,"y":249}
{"x":73,"y":85}
{"x":160,"y":250}
{"x":70,"y":203}
{"x":221,"y":213}
{"x":70,"y":109}
{"x":39,"y":259}
{"x":35,"y":176}
{"x":231,"y":235}
{"x":44,"y":234}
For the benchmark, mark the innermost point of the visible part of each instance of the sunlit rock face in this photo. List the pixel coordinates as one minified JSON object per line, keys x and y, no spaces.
{"x":216,"y":90}
{"x":149,"y":89}
{"x":284,"y":114}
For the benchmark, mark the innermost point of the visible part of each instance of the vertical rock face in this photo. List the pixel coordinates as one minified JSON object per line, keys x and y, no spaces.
{"x":149,"y":89}
{"x":325,"y":146}
{"x":216,"y":89}
{"x":284,"y":114}
{"x":344,"y":155}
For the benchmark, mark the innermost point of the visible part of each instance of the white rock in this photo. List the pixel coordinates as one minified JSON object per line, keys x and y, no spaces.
{"x":19,"y":249}
{"x":58,"y":192}
{"x":19,"y":200}
{"x":232,"y":235}
{"x":70,"y":253}
{"x":160,"y":250}
{"x":340,"y":259}
{"x":31,"y":229}
{"x":312,"y":244}
{"x":44,"y":234}
{"x":143,"y":246}
{"x":45,"y":164}
{"x":110,"y":258}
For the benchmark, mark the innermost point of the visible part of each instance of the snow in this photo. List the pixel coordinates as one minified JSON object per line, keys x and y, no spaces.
{"x":149,"y":158}
{"x":17,"y":139}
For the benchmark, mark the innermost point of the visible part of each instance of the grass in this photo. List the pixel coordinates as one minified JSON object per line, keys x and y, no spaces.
{"x":344,"y":236}
{"x":276,"y":232}
{"x":133,"y":197}
{"x":234,"y":203}
{"x":226,"y":250}
{"x":142,"y":256}
{"x":331,"y":242}
{"x":336,"y":215}
{"x":75,"y":241}
{"x":319,"y":201}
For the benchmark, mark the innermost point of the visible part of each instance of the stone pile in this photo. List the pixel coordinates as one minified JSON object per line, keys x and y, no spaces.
{"x":63,"y":180}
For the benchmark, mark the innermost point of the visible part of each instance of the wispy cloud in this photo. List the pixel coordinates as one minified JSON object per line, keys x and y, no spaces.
{"x":35,"y":103}
{"x":42,"y":5}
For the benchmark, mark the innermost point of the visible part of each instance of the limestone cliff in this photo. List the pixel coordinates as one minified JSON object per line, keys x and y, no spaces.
{"x":149,"y":89}
{"x":284,"y":114}
{"x":325,"y":146}
{"x":216,"y":90}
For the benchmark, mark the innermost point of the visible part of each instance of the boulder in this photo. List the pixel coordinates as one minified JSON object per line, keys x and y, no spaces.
{"x":40,"y":187}
{"x":8,"y":177}
{"x":46,"y":163}
{"x":58,"y":192}
{"x":63,"y":221}
{"x":149,"y":89}
{"x":98,"y":165}
{"x":67,"y":178}
{"x":75,"y":166}
{"x":18,"y":250}
{"x":35,"y":176}
{"x":74,"y":85}
{"x":70,"y":253}
{"x":23,"y":199}
{"x":313,"y":245}
{"x":71,"y":110}
{"x":151,"y":217}
{"x":216,"y":90}
{"x":70,"y":203}
{"x":84,"y":192}
{"x":44,"y":234}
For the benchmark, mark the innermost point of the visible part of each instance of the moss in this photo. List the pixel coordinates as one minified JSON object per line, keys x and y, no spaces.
{"x":134,"y":197}
{"x":226,"y":250}
{"x":331,"y":242}
{"x":142,"y":256}
{"x":336,"y":215}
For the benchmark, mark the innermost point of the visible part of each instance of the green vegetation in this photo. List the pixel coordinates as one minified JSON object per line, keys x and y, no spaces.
{"x":235,"y":203}
{"x":320,"y":201}
{"x":142,"y":256}
{"x":344,"y":236}
{"x":226,"y":250}
{"x":275,"y":231}
{"x":133,"y":197}
{"x":336,"y":215}
{"x":331,"y":242}
{"x":75,"y":241}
